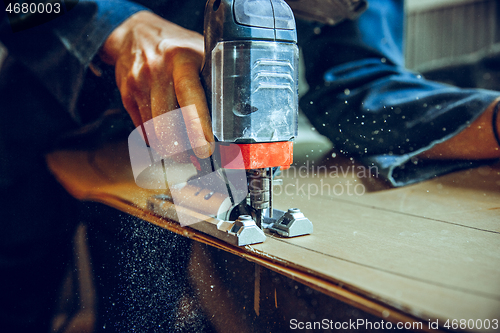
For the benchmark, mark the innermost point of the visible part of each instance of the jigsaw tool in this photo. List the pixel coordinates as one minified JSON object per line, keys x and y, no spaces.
{"x":251,"y":82}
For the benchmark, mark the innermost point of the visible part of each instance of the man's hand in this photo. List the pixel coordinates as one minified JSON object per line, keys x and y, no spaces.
{"x":477,"y":141}
{"x":157,"y":65}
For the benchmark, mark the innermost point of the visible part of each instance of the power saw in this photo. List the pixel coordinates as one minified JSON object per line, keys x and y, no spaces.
{"x":251,"y":83}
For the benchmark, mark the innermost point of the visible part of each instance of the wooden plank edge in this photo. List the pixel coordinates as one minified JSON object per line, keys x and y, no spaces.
{"x":343,"y":292}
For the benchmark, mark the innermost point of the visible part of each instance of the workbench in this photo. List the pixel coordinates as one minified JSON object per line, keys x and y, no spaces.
{"x":427,"y":253}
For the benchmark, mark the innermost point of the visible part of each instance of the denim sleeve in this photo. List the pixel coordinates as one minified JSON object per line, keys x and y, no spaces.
{"x":363,"y":99}
{"x":59,"y":52}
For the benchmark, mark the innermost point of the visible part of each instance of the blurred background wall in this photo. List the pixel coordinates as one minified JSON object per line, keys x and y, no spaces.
{"x":438,"y":29}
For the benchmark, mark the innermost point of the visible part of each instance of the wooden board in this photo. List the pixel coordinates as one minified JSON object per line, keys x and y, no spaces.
{"x":424,"y":252}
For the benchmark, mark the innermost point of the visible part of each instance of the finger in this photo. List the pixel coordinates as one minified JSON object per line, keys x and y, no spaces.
{"x":132,"y":109}
{"x":147,"y":122}
{"x":191,"y":97}
{"x":129,"y":102}
{"x":202,"y":146}
{"x":139,"y":110}
{"x":135,"y":109}
{"x":134,"y":89}
{"x":167,"y":119}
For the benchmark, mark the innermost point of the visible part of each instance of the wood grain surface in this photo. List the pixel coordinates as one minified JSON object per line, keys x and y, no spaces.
{"x":424,"y":252}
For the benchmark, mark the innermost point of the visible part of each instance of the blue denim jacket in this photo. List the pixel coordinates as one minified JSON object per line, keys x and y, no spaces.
{"x":372,"y":107}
